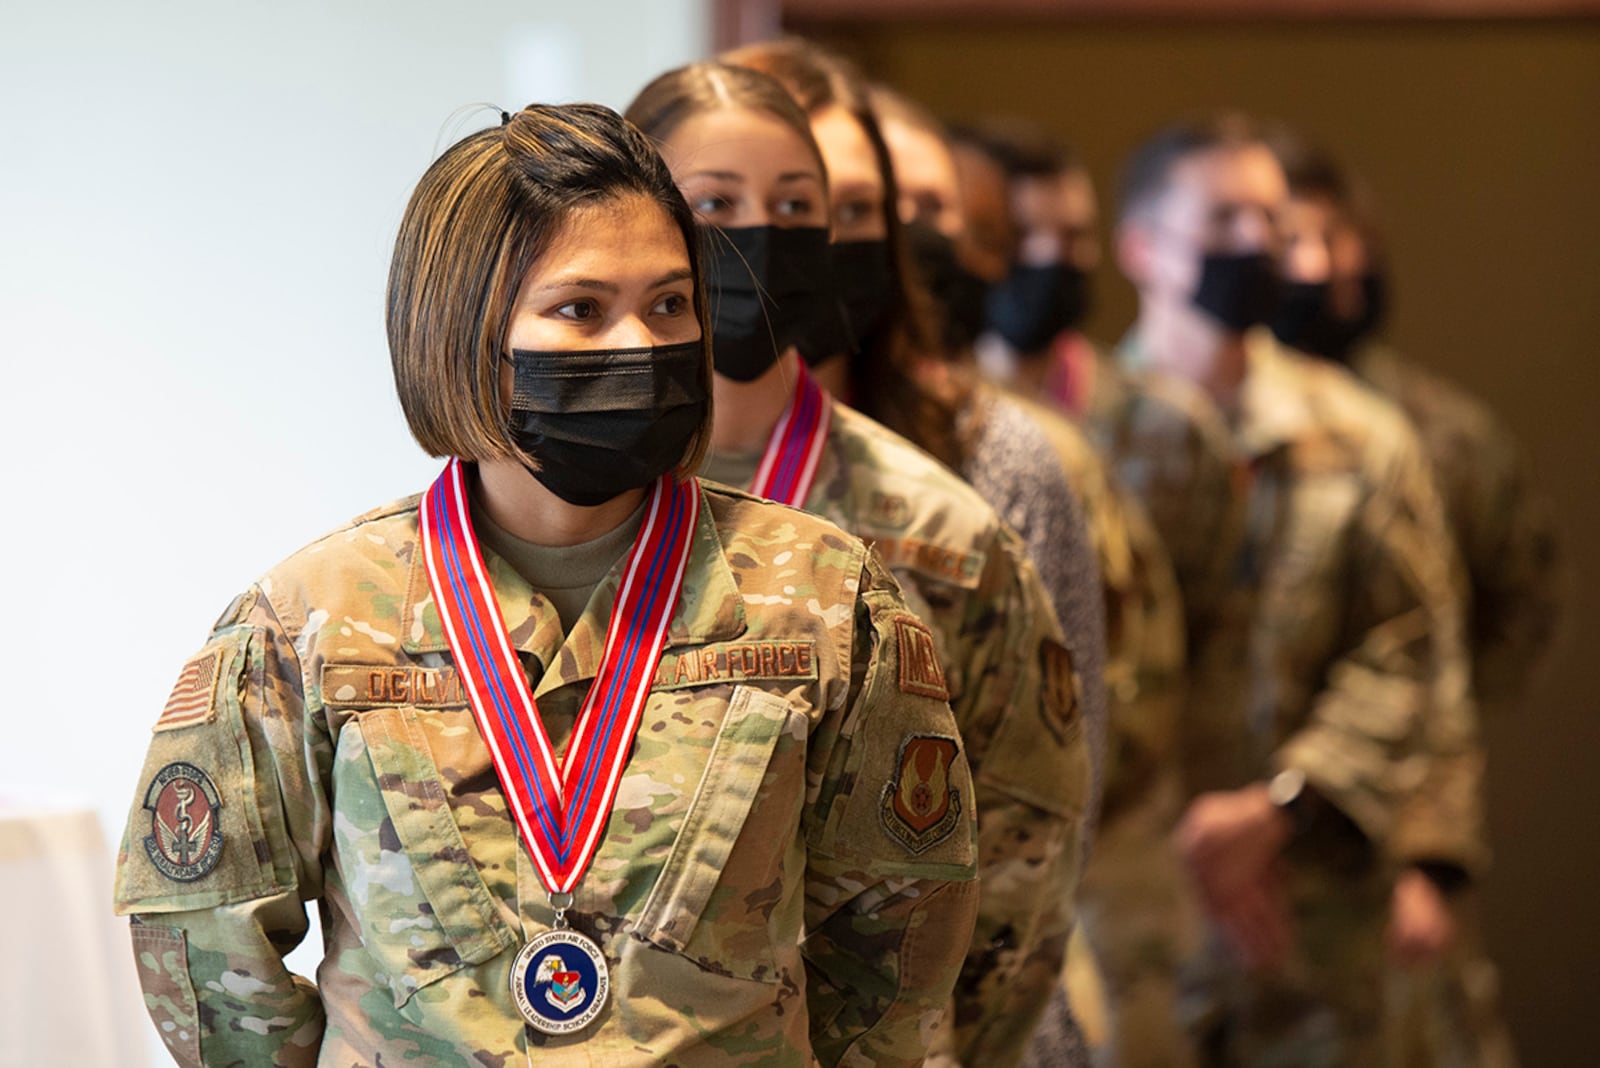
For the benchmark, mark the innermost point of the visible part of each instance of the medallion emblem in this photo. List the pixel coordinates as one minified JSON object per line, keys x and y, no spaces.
{"x":185,"y":842}
{"x":560,"y":982}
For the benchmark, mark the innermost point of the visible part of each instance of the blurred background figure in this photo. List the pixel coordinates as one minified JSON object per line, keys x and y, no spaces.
{"x":1327,"y":685}
{"x":1339,"y":293}
{"x":1135,"y":911}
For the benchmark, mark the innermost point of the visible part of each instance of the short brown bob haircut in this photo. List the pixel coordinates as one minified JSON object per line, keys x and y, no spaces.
{"x":478,"y":221}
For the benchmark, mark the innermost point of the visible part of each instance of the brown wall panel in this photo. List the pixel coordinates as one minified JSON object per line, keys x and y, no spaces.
{"x":1483,"y":144}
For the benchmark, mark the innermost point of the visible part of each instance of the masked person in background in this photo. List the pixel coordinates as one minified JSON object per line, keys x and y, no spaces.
{"x":1449,"y":1013}
{"x":1328,"y":736}
{"x":900,"y":373}
{"x":582,"y":759}
{"x":1136,"y":912}
{"x":744,"y":155}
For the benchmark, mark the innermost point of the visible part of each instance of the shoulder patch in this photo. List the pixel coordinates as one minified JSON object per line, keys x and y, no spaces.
{"x":185,"y":840}
{"x":918,"y":656}
{"x":920,"y":808}
{"x":753,"y":661}
{"x":193,"y":697}
{"x":1060,"y":708}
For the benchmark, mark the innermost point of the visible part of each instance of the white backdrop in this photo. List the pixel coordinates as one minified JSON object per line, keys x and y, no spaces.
{"x":197,"y":203}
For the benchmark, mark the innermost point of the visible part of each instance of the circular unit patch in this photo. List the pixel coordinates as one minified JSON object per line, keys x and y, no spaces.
{"x":560,"y":982}
{"x":185,"y":840}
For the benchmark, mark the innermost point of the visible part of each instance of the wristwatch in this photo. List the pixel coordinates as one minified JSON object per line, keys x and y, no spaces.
{"x":1288,"y":791}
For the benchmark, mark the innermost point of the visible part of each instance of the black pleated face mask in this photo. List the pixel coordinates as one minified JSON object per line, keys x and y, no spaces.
{"x":1033,"y":304}
{"x":770,"y":289}
{"x":1239,"y":291}
{"x":962,"y":296}
{"x":604,"y":421}
{"x":864,"y":279}
{"x":1307,"y":321}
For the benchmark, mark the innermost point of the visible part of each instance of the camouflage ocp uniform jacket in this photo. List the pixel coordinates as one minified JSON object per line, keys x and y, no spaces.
{"x":786,"y":874}
{"x":1504,"y":528}
{"x":1324,"y":600}
{"x":1012,"y":686}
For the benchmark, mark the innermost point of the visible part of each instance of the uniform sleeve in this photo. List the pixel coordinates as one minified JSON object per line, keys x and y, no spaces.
{"x":221,"y":852}
{"x":1022,"y":727}
{"x":890,"y":890}
{"x":1392,"y":739}
{"x":1514,"y":560}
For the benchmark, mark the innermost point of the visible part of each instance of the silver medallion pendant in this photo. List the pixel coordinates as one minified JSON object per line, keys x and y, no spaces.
{"x":560,"y":981}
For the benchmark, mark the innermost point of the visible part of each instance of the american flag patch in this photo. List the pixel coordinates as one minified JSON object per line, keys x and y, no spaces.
{"x":192,"y":697}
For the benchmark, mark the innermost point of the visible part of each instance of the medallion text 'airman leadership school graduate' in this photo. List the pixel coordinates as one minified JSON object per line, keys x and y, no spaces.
{"x":560,"y":980}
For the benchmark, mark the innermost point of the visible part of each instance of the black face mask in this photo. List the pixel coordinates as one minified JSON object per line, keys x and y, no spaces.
{"x":1032,"y":305}
{"x":605,"y":421}
{"x":865,"y":283}
{"x":1239,"y":291}
{"x":1306,"y":320}
{"x":961,"y":295}
{"x":770,"y":288}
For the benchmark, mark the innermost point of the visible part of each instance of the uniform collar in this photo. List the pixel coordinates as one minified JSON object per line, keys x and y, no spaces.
{"x":1273,"y":407}
{"x":709,"y":610}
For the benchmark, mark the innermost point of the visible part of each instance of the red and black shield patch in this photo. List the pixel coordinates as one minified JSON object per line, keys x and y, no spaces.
{"x":185,"y":839}
{"x":920,"y":808}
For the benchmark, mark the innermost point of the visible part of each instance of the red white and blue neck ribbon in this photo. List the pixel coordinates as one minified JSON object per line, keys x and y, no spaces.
{"x":560,"y":805}
{"x":789,"y":465}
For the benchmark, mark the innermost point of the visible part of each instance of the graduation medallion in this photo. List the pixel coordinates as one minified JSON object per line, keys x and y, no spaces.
{"x":559,"y":980}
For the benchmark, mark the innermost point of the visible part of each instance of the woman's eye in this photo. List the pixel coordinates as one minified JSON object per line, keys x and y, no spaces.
{"x":580,"y":310}
{"x":675,"y":304}
{"x":710,"y":204}
{"x":794,"y":206}
{"x":853,"y":211}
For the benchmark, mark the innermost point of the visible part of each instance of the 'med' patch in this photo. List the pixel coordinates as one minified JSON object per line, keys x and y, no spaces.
{"x":920,"y":808}
{"x":185,"y":840}
{"x":920,"y":670}
{"x":193,"y":695}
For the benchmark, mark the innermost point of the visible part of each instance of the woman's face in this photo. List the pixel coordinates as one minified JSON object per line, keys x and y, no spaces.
{"x":615,"y":276}
{"x":855,"y":184}
{"x":739,"y":167}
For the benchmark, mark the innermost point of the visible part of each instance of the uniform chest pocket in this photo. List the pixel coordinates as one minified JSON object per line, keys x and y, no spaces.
{"x":722,"y":892}
{"x":424,"y":909}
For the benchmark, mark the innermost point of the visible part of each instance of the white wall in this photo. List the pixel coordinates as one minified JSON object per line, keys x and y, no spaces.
{"x":197,"y":203}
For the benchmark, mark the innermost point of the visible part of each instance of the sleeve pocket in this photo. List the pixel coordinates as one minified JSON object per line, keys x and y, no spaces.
{"x":201,"y":832}
{"x":161,"y":955}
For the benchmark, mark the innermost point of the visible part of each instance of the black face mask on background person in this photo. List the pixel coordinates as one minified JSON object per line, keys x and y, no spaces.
{"x":864,"y":279}
{"x":1306,"y":319}
{"x":1033,"y":304}
{"x":961,"y":295}
{"x":604,"y":421}
{"x":770,"y":288}
{"x":1239,"y":291}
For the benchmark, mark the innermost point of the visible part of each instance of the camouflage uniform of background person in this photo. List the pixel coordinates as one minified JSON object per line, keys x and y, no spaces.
{"x":766,"y":889}
{"x":898,"y":376}
{"x":1137,"y":913}
{"x":739,"y":144}
{"x":1448,"y":1012}
{"x":1325,"y":638}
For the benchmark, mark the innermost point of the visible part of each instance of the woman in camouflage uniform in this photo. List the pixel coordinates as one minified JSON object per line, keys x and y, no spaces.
{"x":583,"y":761}
{"x":745,"y":157}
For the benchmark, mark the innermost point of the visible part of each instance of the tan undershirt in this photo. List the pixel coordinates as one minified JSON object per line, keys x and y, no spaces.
{"x":565,"y":575}
{"x":736,"y":469}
